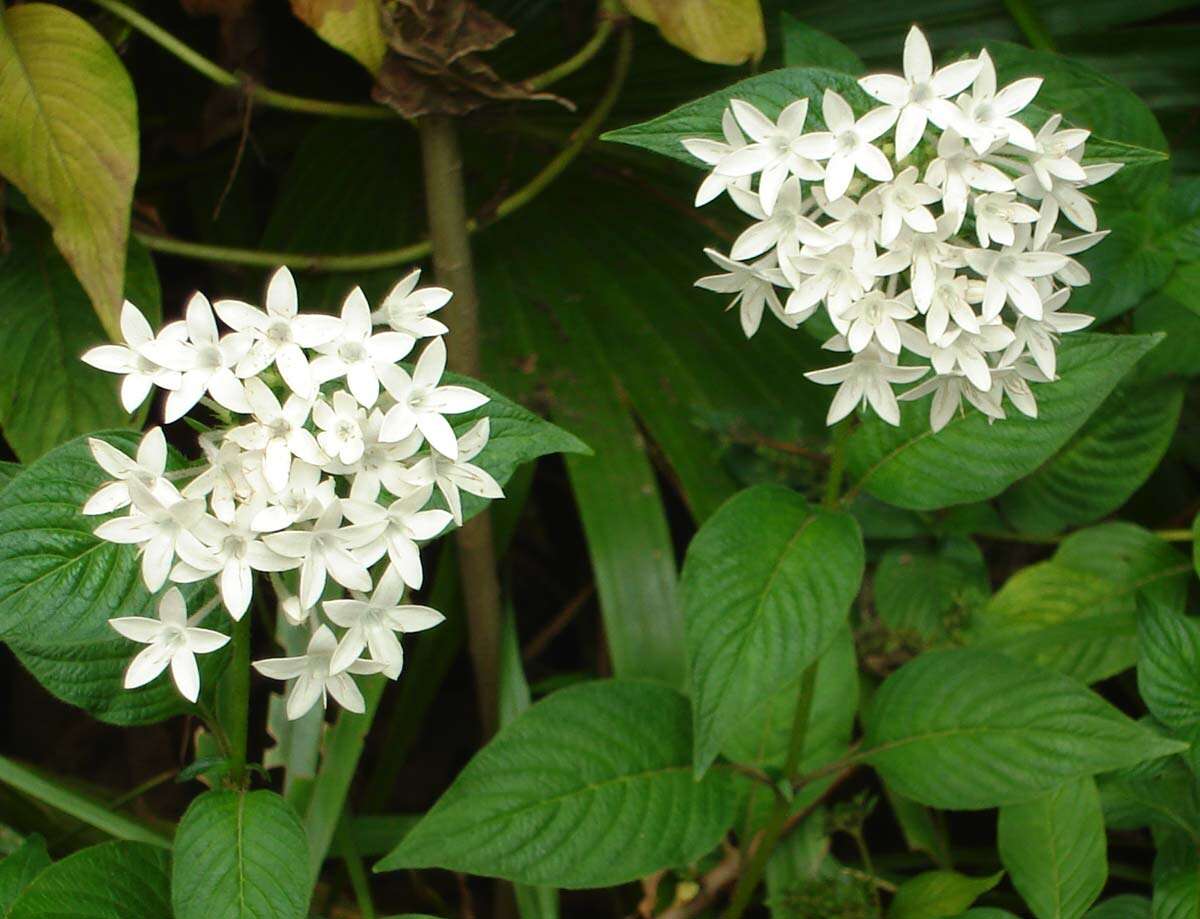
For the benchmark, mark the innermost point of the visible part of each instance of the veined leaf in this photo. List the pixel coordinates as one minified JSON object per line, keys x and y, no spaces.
{"x":563,"y":796}
{"x":894,"y":463}
{"x":1175,"y":311}
{"x":240,"y":855}
{"x":1169,"y":665}
{"x":766,"y":585}
{"x":969,"y":729}
{"x":1054,"y":848}
{"x":770,"y":92}
{"x":47,"y":394}
{"x":19,"y":869}
{"x":1176,"y":878}
{"x":60,"y":584}
{"x":1126,"y":906}
{"x":1076,"y":612}
{"x":1159,"y":795}
{"x":1107,"y":460}
{"x":69,"y":141}
{"x":354,"y":27}
{"x":930,"y":592}
{"x":937,"y":894}
{"x":115,"y":880}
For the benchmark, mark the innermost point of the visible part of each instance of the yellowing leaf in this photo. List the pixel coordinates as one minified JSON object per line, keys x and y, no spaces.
{"x":716,"y":31}
{"x":69,"y":141}
{"x":352,"y":26}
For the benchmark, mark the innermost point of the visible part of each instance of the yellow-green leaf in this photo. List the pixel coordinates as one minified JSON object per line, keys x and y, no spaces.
{"x":69,"y":141}
{"x":716,"y":31}
{"x":352,"y":26}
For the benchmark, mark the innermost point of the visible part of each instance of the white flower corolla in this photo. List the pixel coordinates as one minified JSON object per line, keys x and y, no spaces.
{"x":921,"y":95}
{"x":205,"y":360}
{"x":314,"y":679}
{"x":926,"y":229}
{"x":147,"y":467}
{"x":422,"y":404}
{"x":371,"y":624}
{"x":397,"y":529}
{"x":294,"y":427}
{"x":772,"y":152}
{"x":280,"y":333}
{"x":133,"y":360}
{"x":452,"y":476}
{"x":170,"y":642}
{"x":711,"y":152}
{"x":406,"y":308}
{"x":753,"y":287}
{"x":357,"y":354}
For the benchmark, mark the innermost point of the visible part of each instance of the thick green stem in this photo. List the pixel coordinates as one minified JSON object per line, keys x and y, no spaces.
{"x":837,"y":463}
{"x":756,"y":854}
{"x":236,"y":717}
{"x":445,"y":200}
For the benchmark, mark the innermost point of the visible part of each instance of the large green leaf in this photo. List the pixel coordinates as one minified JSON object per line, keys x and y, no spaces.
{"x":929,"y":592}
{"x":1126,"y":906}
{"x":1176,"y":878}
{"x":47,"y":394}
{"x":1106,"y":461}
{"x":69,"y":141}
{"x":19,"y":869}
{"x":804,"y":46}
{"x":937,"y":894}
{"x":240,"y":855}
{"x":1169,"y":665}
{"x":1175,"y":311}
{"x":566,"y":794}
{"x":116,"y":880}
{"x":769,"y":92}
{"x":60,"y":584}
{"x":766,"y":585}
{"x":970,"y":729}
{"x":1160,"y":795}
{"x":1054,"y":848}
{"x":1076,"y":612}
{"x":969,"y":460}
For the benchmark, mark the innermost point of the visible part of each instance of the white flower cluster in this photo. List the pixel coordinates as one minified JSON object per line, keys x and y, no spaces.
{"x":940,"y":241}
{"x":326,"y":461}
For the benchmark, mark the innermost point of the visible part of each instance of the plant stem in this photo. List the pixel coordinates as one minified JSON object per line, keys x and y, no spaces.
{"x":359,"y":882}
{"x":388,"y":258}
{"x":757,"y":854}
{"x":32,"y":783}
{"x":837,"y":463}
{"x":607,"y":14}
{"x":1055,"y":538}
{"x":1030,"y":23}
{"x":237,"y":714}
{"x":445,"y":199}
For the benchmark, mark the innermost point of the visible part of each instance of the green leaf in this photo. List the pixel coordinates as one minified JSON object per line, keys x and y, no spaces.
{"x":8,"y":472}
{"x":930,"y":592}
{"x":69,"y":141}
{"x":1169,"y":666}
{"x":19,"y":869}
{"x":769,"y":92}
{"x":938,"y":894}
{"x":47,"y":394}
{"x":116,"y":880}
{"x":969,"y":729}
{"x":1054,"y":848}
{"x":1160,"y":794}
{"x":894,"y":463}
{"x":518,"y":436}
{"x":1175,"y":311}
{"x":1107,"y":460}
{"x":767,"y":583}
{"x":355,"y":27}
{"x":1176,"y":879}
{"x":240,"y":855}
{"x":1126,"y":906}
{"x":564,"y":795}
{"x":60,"y":584}
{"x":1076,"y":613}
{"x":804,"y":46}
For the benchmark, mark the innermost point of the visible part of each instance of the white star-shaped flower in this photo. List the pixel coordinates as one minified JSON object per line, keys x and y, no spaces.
{"x":711,"y":152}
{"x":847,"y":145}
{"x":753,"y":287}
{"x":280,"y":333}
{"x":785,"y":229}
{"x":147,"y":467}
{"x":161,"y":527}
{"x":1008,"y":274}
{"x":132,"y":359}
{"x":868,"y":380}
{"x":372,"y":625}
{"x":422,"y":404}
{"x":997,"y":214}
{"x":314,"y":679}
{"x":1039,"y":337}
{"x":406,"y":308}
{"x":205,"y":360}
{"x":906,"y":202}
{"x":356,"y":354}
{"x":921,"y":95}
{"x":873,"y":317}
{"x":341,"y":425}
{"x":451,"y":476}
{"x":279,"y":432}
{"x":326,"y":551}
{"x":956,"y":171}
{"x":398,"y":528}
{"x":949,"y":389}
{"x":987,"y":114}
{"x":772,"y":151}
{"x":171,"y":642}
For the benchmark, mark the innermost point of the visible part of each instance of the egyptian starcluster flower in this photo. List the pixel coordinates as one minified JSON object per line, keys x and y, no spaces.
{"x":926,"y":229}
{"x":324,"y":461}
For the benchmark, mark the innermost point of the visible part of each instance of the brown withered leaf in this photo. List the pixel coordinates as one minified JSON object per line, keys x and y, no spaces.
{"x":433,"y":64}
